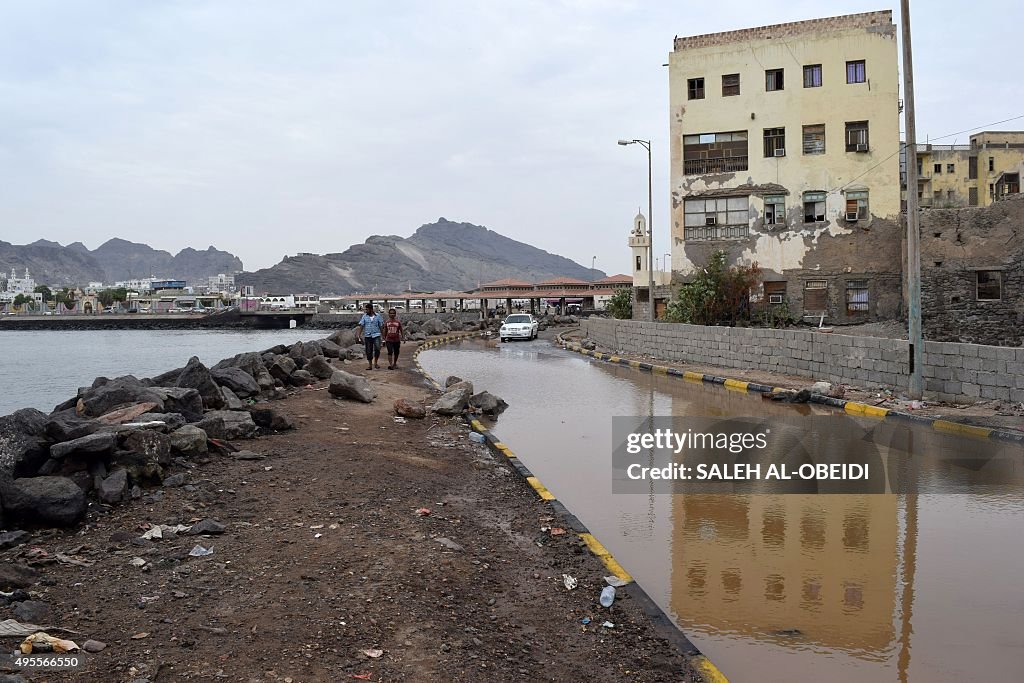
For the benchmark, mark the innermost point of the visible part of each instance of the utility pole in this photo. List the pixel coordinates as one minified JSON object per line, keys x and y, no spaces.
{"x":914,"y":336}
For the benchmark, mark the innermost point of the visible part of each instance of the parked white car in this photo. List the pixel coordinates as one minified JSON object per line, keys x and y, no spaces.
{"x":518,"y":326}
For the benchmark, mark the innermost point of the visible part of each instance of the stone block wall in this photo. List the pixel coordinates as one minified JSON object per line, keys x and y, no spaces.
{"x":953,"y":371}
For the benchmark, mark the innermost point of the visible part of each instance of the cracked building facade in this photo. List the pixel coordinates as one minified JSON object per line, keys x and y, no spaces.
{"x":785,"y":152}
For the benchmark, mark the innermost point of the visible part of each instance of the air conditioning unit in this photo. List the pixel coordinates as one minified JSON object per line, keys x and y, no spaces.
{"x":775,"y":298}
{"x":780,"y":152}
{"x":862,"y":146}
{"x":709,"y":220}
{"x":851,"y":215}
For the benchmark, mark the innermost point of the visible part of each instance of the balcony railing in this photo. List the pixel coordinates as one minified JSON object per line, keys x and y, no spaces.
{"x":720,"y":165}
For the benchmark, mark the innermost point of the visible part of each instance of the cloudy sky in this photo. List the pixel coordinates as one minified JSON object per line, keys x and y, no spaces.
{"x":268,"y":128}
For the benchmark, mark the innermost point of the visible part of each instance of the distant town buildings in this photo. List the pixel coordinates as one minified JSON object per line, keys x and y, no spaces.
{"x":977,"y":174}
{"x":14,"y":285}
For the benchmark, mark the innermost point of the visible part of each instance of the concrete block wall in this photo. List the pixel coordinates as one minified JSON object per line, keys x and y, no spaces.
{"x":953,"y":371}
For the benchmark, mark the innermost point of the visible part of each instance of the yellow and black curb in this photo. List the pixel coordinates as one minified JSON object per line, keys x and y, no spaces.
{"x":851,"y":407}
{"x":663,"y":625}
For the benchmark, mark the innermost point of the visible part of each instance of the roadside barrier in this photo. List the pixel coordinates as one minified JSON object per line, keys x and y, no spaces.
{"x":851,"y":407}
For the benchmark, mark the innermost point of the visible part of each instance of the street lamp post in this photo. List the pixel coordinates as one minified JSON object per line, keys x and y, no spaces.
{"x":646,"y":144}
{"x":668,"y":262}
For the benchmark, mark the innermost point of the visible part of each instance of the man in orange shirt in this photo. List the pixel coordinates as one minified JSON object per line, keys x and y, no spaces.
{"x":393,"y":337}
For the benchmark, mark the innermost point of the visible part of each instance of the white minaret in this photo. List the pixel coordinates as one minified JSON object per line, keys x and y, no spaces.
{"x":640,"y":244}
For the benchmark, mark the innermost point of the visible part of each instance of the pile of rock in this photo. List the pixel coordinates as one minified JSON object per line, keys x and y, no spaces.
{"x":119,"y":435}
{"x":458,"y":398}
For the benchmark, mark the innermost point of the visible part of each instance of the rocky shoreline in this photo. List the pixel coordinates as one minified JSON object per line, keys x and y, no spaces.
{"x":112,"y":502}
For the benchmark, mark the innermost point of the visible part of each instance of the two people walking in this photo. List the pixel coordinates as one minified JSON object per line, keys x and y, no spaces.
{"x":374,"y":330}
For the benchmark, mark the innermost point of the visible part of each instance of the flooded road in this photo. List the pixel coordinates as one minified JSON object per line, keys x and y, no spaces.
{"x":916,"y":587}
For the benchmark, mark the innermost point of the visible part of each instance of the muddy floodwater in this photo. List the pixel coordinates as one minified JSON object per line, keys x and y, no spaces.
{"x":885,"y":587}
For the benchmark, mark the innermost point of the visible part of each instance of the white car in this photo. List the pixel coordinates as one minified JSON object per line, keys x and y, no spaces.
{"x":518,"y":326}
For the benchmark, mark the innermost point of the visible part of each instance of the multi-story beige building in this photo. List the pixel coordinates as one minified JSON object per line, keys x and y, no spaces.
{"x":985,"y":171}
{"x":785,"y":151}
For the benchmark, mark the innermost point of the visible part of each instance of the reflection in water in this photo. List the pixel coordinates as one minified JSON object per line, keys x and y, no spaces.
{"x":792,"y":587}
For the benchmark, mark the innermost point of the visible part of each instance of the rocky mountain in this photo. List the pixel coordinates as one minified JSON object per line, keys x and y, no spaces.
{"x":438,"y":256}
{"x":117,"y":259}
{"x":48,"y":264}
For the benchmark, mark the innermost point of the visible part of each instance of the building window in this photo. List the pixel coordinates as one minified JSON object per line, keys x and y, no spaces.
{"x":856,"y":297}
{"x":991,"y":191}
{"x":855,"y":72}
{"x":950,"y":168}
{"x":815,"y":296}
{"x":812,"y":76}
{"x":715,"y":153}
{"x":775,"y":142}
{"x":857,"y":205}
{"x":972,"y":196}
{"x":730,"y":85}
{"x":814,"y":139}
{"x":639,"y":262}
{"x":716,"y":219}
{"x":950,"y":195}
{"x":990,"y":285}
{"x":775,"y":292}
{"x":972,"y":168}
{"x":856,"y":136}
{"x":695,"y":89}
{"x":814,"y":207}
{"x":938,"y":169}
{"x":991,"y":164}
{"x":773,"y":80}
{"x":775,"y":210}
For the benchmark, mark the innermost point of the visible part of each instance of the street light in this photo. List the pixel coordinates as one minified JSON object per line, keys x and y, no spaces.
{"x":668,"y":262}
{"x":646,"y":144}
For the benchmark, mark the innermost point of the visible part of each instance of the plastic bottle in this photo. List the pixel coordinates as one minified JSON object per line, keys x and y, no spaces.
{"x":476,"y":437}
{"x":607,"y":596}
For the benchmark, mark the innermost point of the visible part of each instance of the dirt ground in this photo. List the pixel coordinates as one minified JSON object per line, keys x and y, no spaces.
{"x":988,"y":413}
{"x":327,"y":572}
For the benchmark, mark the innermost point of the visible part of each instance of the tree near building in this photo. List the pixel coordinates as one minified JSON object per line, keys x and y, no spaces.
{"x":108,"y":296}
{"x":45,"y":291}
{"x":719,"y":295}
{"x":23,"y":300}
{"x":621,"y":304}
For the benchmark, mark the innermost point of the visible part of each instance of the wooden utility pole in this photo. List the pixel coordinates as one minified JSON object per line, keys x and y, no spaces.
{"x":915,"y":339}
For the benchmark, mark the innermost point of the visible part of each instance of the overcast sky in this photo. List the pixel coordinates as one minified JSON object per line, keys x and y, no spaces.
{"x":269,"y":128}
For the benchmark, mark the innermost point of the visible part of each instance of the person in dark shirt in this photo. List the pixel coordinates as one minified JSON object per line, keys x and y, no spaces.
{"x":393,"y":337}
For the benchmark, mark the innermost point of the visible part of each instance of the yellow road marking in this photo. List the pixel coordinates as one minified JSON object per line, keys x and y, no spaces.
{"x":736,"y":385}
{"x":693,"y":376}
{"x":660,"y":370}
{"x":864,"y":409}
{"x":708,"y":671}
{"x":957,"y":428}
{"x":606,"y":557}
{"x":539,"y":488}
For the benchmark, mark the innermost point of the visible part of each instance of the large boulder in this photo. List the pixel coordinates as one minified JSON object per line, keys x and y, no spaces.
{"x":141,"y":467}
{"x":487,"y":403}
{"x":406,"y":407}
{"x":329,"y":348}
{"x":54,"y":501}
{"x":417,"y":336}
{"x":319,"y":368}
{"x":355,"y":351}
{"x":248,"y":362}
{"x":268,"y":418}
{"x":227,"y":424}
{"x":463,"y":384}
{"x":67,"y":425}
{"x":154,"y":445}
{"x":189,"y":440}
{"x":22,"y":443}
{"x":453,"y":401}
{"x":128,"y":414}
{"x":301,"y":378}
{"x":114,"y":488}
{"x":116,"y":393}
{"x":182,"y":400}
{"x":347,"y":385}
{"x":166,"y":379}
{"x":239,"y":381}
{"x":281,"y":367}
{"x":98,"y":443}
{"x":451,"y":380}
{"x":344,"y":338}
{"x":197,"y":376}
{"x":231,"y":401}
{"x":434,"y":327}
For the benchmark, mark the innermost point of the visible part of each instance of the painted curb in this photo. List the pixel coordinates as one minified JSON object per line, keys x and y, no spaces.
{"x":661,"y":622}
{"x":851,"y":407}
